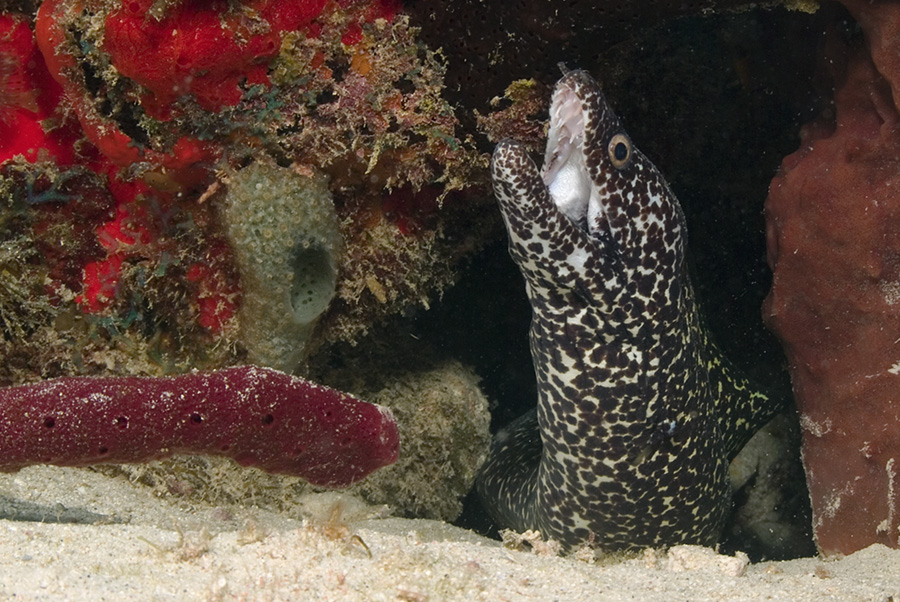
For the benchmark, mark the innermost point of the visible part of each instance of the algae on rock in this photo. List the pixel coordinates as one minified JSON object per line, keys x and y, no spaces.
{"x":444,"y":427}
{"x":286,"y":239}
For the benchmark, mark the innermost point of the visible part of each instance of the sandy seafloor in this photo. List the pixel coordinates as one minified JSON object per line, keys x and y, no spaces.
{"x":164,"y":548}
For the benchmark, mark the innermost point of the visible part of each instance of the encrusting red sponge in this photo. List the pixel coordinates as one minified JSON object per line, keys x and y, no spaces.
{"x":257,"y":416}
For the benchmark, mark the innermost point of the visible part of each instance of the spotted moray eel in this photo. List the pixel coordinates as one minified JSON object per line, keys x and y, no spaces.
{"x":638,"y":414}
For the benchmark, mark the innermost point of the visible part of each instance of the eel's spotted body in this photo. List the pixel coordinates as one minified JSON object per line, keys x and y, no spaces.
{"x":638,"y":415}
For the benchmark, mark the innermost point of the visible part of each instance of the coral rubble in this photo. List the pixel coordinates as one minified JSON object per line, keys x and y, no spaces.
{"x":443,"y":420}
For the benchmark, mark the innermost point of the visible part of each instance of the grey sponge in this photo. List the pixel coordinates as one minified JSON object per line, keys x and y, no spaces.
{"x":286,"y":239}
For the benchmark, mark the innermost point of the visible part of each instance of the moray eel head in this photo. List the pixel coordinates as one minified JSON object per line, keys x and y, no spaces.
{"x":597,"y":178}
{"x":626,"y":216}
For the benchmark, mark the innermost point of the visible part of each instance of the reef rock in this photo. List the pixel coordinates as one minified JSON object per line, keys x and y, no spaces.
{"x":833,"y":227}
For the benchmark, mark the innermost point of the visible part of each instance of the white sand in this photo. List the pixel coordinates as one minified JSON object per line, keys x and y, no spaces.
{"x":170,"y":550}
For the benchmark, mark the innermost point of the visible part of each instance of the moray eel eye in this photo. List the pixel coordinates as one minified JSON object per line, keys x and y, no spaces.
{"x":620,"y":151}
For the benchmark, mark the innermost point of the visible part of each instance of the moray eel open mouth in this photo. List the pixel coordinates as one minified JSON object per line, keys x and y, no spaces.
{"x":577,"y":119}
{"x":565,"y":172}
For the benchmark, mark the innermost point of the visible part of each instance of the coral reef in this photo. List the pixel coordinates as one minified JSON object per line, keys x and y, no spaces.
{"x":519,"y":120}
{"x":287,"y":242}
{"x":346,"y":87}
{"x":170,"y":96}
{"x":113,"y":254}
{"x":833,"y":244}
{"x":182,"y":161}
{"x":119,"y":267}
{"x":257,"y":416}
{"x":136,"y":209}
{"x":202,"y":49}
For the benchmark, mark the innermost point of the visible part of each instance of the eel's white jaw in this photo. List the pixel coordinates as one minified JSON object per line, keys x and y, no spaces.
{"x":564,"y":172}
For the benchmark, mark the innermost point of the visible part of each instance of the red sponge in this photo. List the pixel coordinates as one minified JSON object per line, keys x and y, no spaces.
{"x":257,"y":416}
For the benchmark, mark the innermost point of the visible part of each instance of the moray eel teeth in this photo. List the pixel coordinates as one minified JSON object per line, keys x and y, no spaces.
{"x":638,"y":415}
{"x":564,"y":172}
